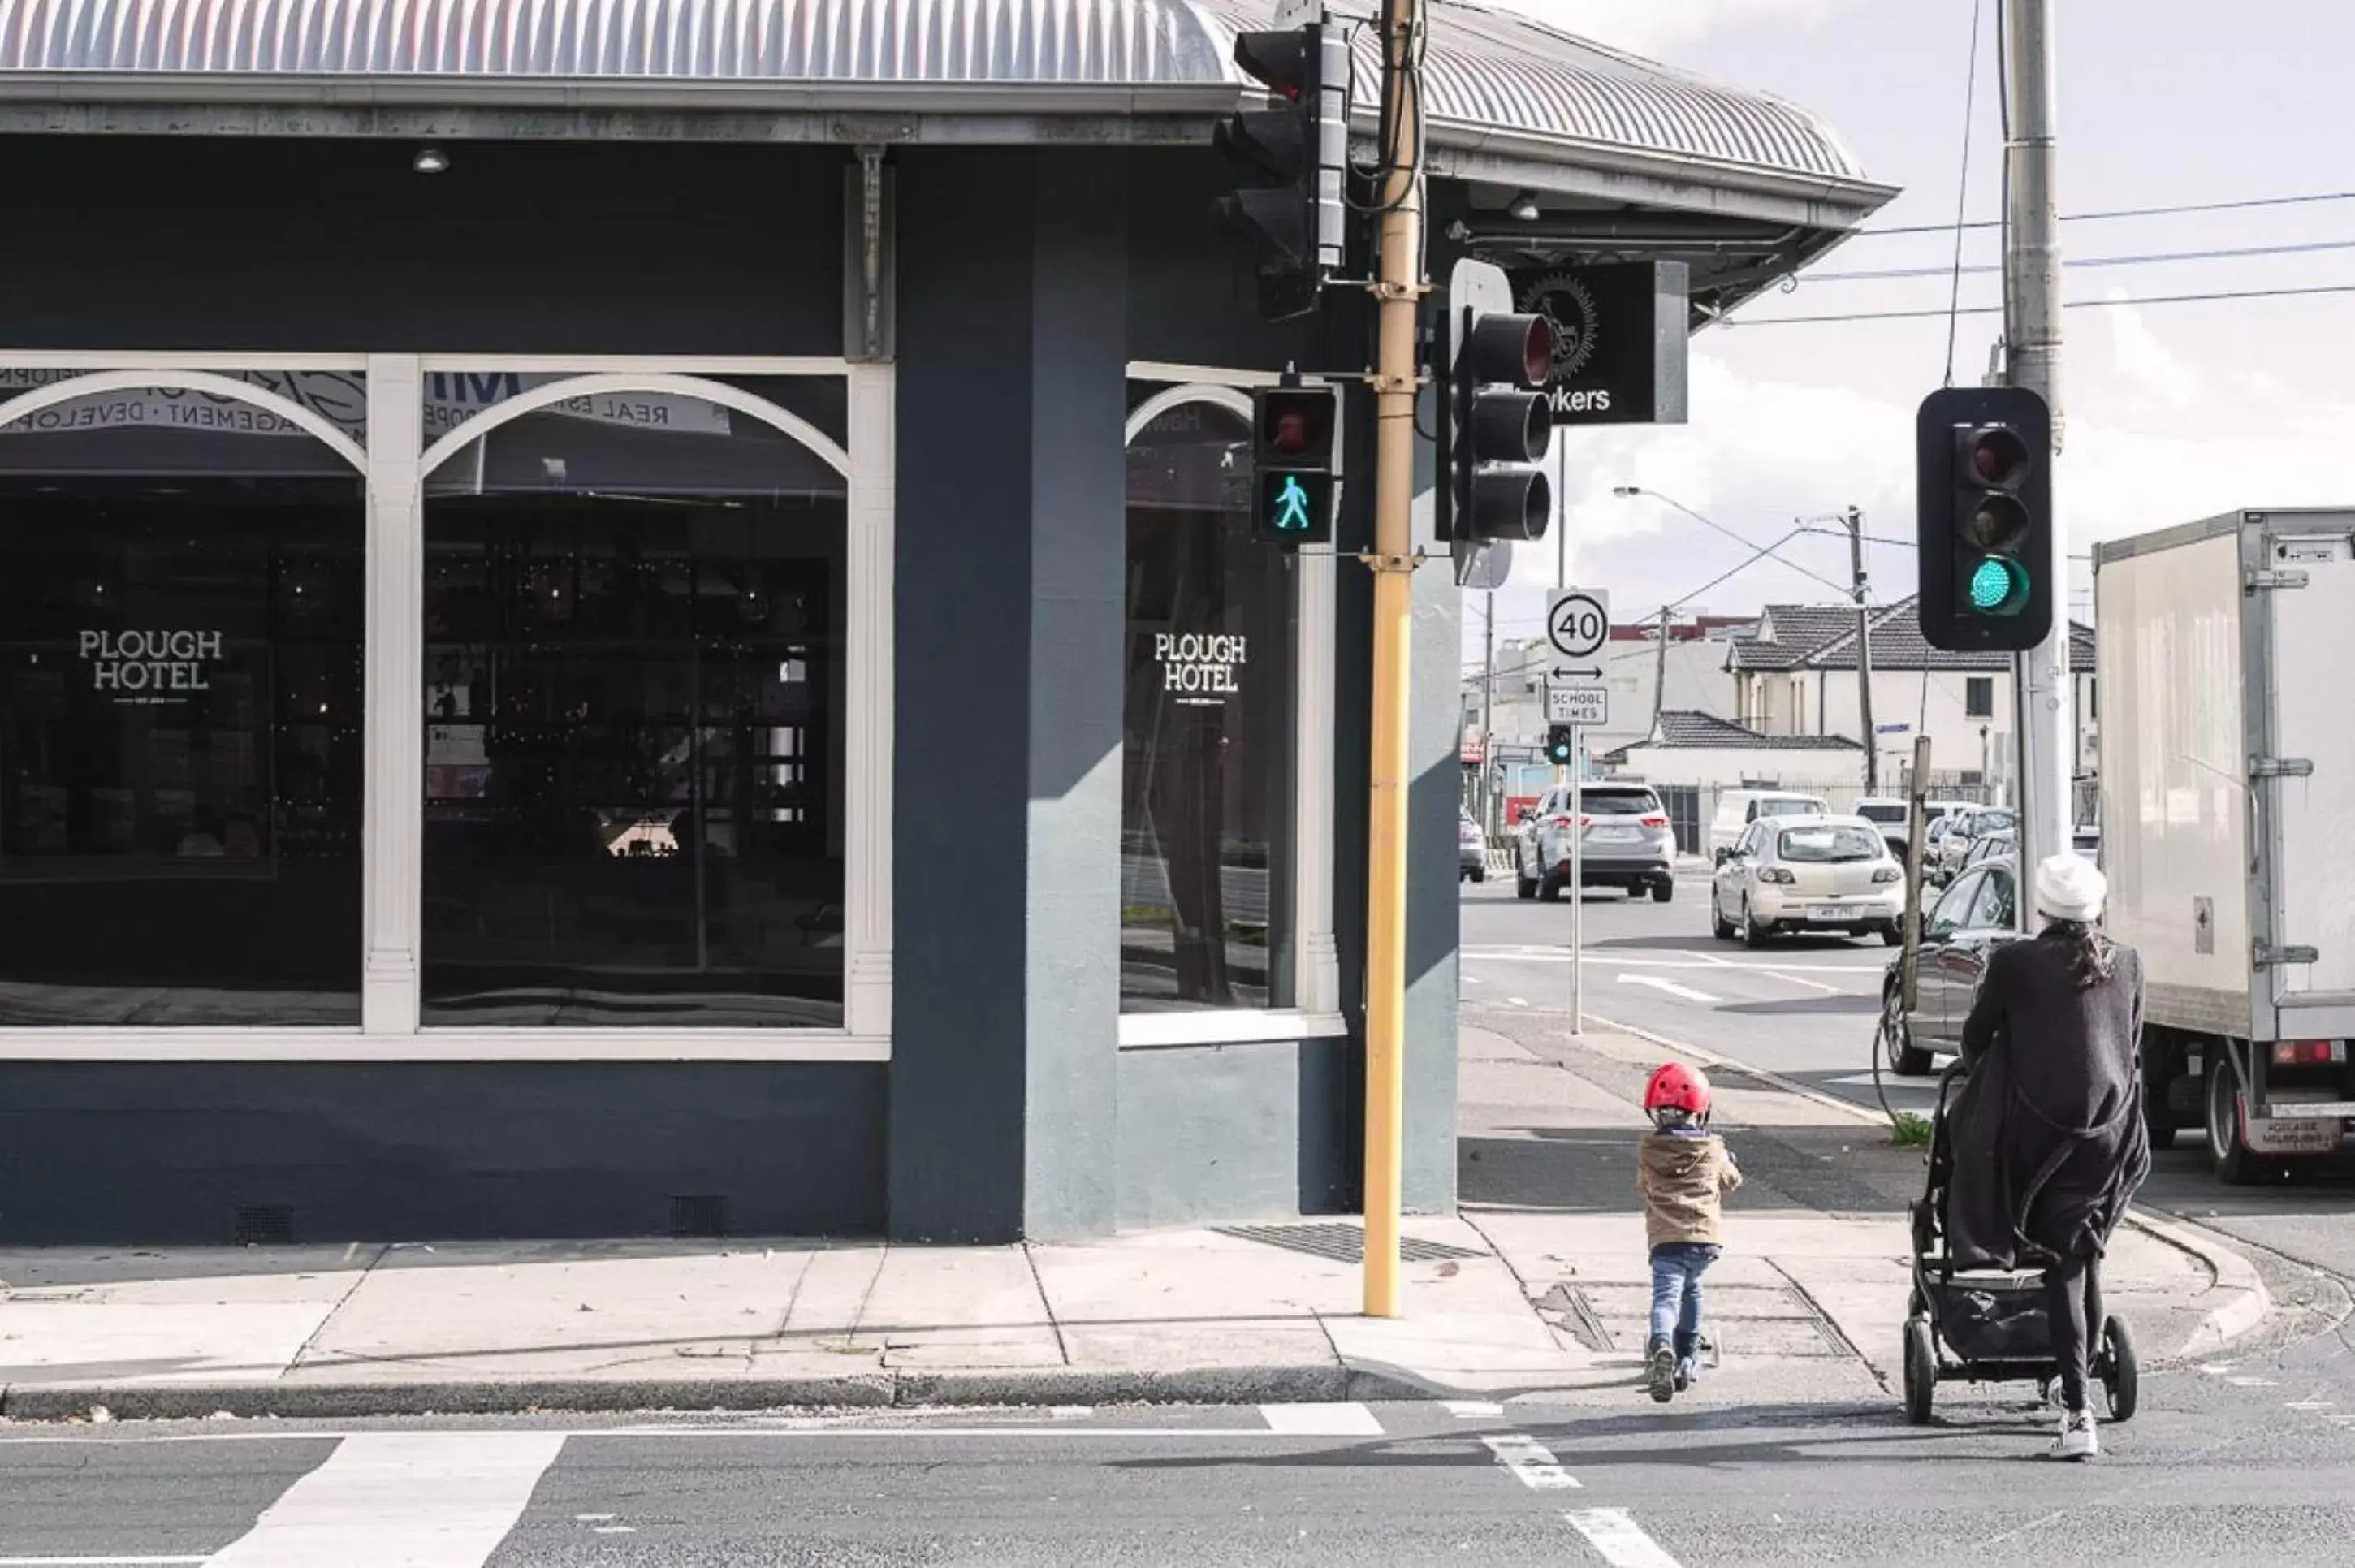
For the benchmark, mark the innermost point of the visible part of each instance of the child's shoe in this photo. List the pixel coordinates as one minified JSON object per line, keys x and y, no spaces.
{"x":1663,"y":1371}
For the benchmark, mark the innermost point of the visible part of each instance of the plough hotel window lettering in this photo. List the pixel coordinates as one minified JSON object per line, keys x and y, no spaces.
{"x":1207,"y":830}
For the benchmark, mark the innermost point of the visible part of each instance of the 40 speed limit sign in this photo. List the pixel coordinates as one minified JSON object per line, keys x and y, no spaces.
{"x":1577,"y":623}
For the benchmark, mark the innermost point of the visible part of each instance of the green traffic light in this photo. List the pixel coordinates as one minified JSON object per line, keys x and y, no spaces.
{"x":1998,"y":586}
{"x":1291,"y":507}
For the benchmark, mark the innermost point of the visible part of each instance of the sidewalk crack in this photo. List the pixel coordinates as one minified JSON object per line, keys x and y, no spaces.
{"x":311,"y":1340}
{"x":1063,"y":1350}
{"x":1825,"y":1325}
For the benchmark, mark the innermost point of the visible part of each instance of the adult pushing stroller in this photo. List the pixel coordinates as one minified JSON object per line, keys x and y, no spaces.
{"x":1991,"y":1326}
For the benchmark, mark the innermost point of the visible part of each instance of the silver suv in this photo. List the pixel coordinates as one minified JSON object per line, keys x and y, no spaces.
{"x":1625,"y":842}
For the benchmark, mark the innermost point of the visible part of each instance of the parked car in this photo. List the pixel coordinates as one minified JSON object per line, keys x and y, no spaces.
{"x":1625,"y":841}
{"x":1974,"y":915}
{"x":2002,"y":844}
{"x":1808,"y":874}
{"x":1891,"y":817}
{"x":1738,"y":808}
{"x":1471,"y":850}
{"x":1979,"y":822}
{"x":2087,"y":841}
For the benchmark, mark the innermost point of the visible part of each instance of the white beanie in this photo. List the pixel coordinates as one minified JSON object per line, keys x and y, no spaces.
{"x":2068,"y":886}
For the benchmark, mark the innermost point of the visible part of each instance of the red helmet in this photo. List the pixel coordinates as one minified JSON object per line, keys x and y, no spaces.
{"x":1677,"y":1087}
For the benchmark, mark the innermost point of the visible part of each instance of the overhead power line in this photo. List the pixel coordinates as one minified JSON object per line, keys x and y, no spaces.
{"x":2154,"y":258}
{"x":2180,"y":210}
{"x":1731,"y":323}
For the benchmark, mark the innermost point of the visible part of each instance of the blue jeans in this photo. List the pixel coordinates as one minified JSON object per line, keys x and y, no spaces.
{"x":1677,"y":1268}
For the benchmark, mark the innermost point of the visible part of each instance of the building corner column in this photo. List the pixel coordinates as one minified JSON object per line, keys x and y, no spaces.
{"x":874,"y":489}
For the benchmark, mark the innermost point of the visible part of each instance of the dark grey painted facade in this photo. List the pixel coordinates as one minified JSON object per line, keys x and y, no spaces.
{"x":1026,"y":282}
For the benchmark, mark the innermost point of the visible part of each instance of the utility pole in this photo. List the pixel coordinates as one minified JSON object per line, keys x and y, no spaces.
{"x":1660,"y":674}
{"x":1864,"y":652}
{"x":1398,"y":293}
{"x":1488,"y":713}
{"x":2031,"y":320}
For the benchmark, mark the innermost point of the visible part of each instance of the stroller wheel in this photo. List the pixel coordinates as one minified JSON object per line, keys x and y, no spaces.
{"x":2119,"y":1378}
{"x":1920,"y":1371}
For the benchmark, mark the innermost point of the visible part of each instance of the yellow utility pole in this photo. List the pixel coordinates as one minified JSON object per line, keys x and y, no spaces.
{"x":1398,"y":291}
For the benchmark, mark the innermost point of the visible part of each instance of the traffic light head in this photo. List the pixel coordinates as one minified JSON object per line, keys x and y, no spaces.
{"x":1986,"y":519}
{"x":1293,"y":447}
{"x":1293,"y":160}
{"x":1497,"y":426}
{"x":1561,"y":745}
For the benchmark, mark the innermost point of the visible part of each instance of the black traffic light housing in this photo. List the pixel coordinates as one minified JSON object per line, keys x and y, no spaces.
{"x":1494,"y":425}
{"x":1295,"y":156}
{"x":1294,"y":430}
{"x":1984,"y":459}
{"x":1562,"y":744}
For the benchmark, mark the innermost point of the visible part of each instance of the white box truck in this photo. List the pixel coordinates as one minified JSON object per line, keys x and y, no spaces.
{"x":2226,"y":686}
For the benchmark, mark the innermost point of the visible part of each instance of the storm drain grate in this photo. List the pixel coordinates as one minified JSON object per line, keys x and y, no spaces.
{"x":699,"y":1214}
{"x":1343,"y":1243}
{"x":263,"y":1225}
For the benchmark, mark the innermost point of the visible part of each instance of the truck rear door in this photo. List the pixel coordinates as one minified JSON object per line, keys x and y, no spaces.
{"x":2305,"y":783}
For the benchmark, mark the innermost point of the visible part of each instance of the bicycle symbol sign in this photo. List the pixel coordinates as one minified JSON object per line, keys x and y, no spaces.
{"x":1577,"y":622}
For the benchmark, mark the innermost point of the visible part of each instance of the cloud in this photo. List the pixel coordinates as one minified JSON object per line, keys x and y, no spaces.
{"x":1650,"y":27}
{"x":2149,"y":369}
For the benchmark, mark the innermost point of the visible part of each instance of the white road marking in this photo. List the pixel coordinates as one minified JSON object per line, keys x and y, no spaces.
{"x":1684,"y":993}
{"x":1802,"y":980}
{"x":1519,"y":1001}
{"x":1321,"y":1420}
{"x":401,"y":1499}
{"x":2244,"y":1381}
{"x":90,"y":1561}
{"x":2309,"y":1404}
{"x":1622,"y":1541}
{"x":1470,"y":1409}
{"x":1530,"y":1462}
{"x":1625,"y":961}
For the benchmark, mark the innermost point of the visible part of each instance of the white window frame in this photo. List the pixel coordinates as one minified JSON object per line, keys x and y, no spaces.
{"x":393,"y":465}
{"x":1316,"y":991}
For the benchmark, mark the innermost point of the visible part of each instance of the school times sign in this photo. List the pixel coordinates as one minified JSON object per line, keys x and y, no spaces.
{"x":1620,"y":336}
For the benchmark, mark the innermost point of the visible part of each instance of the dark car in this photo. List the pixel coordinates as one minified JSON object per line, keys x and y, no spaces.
{"x":1976,"y":913}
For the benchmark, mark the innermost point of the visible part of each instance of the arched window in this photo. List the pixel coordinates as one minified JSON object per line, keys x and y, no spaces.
{"x":635,"y":607}
{"x":1207,"y":829}
{"x":181,"y":630}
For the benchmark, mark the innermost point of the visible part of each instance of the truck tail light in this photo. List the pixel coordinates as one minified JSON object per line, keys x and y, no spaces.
{"x":1562,"y":822}
{"x":2307,"y":1052}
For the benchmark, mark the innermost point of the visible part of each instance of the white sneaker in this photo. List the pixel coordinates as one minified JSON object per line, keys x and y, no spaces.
{"x":2077,"y":1440}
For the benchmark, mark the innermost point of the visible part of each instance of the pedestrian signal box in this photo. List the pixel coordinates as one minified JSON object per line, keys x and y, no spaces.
{"x":1294,"y":430}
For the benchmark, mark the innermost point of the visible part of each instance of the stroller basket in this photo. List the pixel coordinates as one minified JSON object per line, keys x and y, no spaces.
{"x":1992,"y":1318}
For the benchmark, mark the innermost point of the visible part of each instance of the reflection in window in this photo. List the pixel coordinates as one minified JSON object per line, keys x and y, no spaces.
{"x":633,"y":777}
{"x":181,"y":775}
{"x":1207,"y":778}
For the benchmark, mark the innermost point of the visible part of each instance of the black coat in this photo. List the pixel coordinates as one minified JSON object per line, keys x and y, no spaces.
{"x":2047,"y":1134}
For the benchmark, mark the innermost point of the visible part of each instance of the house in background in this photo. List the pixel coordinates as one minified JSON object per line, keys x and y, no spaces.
{"x":1691,"y":758}
{"x":1797,"y":676}
{"x":1696,"y":671}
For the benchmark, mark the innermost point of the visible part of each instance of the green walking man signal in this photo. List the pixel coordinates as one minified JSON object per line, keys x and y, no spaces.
{"x":1294,"y":430}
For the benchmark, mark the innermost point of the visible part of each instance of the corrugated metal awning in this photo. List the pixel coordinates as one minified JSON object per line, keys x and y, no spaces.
{"x":1493,"y":79}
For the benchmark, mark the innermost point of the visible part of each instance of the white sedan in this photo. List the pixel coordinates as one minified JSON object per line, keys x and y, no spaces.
{"x":1827,"y":874}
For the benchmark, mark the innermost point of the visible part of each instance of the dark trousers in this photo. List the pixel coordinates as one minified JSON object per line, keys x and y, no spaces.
{"x":2072,"y":1300}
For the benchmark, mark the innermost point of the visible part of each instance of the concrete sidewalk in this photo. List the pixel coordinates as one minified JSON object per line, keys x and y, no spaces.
{"x":1545,"y":1296}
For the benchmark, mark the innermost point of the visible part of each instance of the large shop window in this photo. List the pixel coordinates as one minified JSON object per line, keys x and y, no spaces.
{"x":1207,"y":828}
{"x":633,"y":722}
{"x":181,"y":617}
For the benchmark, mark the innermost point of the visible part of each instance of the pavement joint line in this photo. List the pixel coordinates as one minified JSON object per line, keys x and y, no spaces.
{"x":1621,"y":1541}
{"x":2251,"y":1303}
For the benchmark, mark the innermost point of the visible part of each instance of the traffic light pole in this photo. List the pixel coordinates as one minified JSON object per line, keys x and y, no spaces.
{"x":1398,"y":292}
{"x":2031,"y":291}
{"x":1864,"y":652}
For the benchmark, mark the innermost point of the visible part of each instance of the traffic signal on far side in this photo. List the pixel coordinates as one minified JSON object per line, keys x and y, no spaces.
{"x":1294,"y":430}
{"x":1984,"y":457}
{"x":1294,"y":159}
{"x":1562,"y":744}
{"x":1494,"y":427}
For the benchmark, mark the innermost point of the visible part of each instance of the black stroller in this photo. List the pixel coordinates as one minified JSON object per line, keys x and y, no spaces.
{"x":1991,"y":1327}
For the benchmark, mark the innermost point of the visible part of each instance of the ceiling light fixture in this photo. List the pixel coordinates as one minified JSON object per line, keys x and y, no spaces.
{"x":430,"y":161}
{"x":1525,"y":207}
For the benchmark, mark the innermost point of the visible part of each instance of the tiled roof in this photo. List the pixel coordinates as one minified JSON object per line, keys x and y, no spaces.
{"x":1683,"y":727}
{"x":1789,"y":632}
{"x":1897,"y":645}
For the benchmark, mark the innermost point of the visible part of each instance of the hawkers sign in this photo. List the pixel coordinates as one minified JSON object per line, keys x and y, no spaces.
{"x":152,"y":666}
{"x":1620,"y":334}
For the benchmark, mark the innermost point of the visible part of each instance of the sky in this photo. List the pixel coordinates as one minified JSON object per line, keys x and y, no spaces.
{"x":2173,"y":411}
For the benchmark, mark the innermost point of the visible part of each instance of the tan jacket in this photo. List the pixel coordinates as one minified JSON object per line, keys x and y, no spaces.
{"x":1681,"y":1179}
